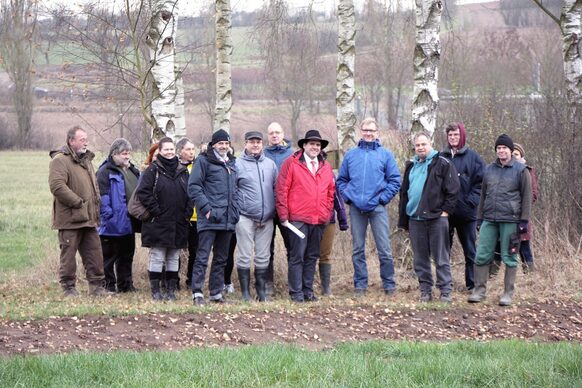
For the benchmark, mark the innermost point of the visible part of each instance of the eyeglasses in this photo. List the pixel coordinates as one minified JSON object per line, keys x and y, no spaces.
{"x":369,"y":130}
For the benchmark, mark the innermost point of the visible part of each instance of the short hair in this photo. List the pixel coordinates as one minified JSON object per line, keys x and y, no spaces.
{"x":416,"y":135}
{"x":369,"y":120}
{"x":164,"y":140}
{"x":452,"y":127}
{"x":181,"y":144}
{"x":72,"y":132}
{"x":119,"y":145}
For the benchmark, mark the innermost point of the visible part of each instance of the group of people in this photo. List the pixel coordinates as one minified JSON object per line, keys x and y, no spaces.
{"x":205,"y":203}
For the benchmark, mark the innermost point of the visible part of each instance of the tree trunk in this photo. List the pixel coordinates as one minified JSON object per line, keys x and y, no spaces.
{"x":161,"y":40}
{"x":223,"y":75}
{"x":345,"y":88}
{"x":180,"y":130}
{"x":426,"y":60}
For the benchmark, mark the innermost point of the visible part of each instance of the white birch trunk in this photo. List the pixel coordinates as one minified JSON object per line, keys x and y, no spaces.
{"x":223,"y":75}
{"x":345,"y":87}
{"x":161,"y":40}
{"x":426,"y":60}
{"x":570,"y":22}
{"x":180,"y":114}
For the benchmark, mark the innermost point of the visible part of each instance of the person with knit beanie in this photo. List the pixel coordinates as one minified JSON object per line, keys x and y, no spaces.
{"x":470,"y":167}
{"x":503,"y":214}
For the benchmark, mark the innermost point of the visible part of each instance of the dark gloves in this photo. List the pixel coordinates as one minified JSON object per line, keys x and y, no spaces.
{"x":479,"y":222}
{"x":343,"y":226}
{"x":522,"y":226}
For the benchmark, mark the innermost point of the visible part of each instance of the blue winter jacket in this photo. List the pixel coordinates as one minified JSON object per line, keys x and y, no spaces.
{"x":113,"y":214}
{"x":470,"y":169}
{"x":279,"y":153}
{"x":368,"y":176}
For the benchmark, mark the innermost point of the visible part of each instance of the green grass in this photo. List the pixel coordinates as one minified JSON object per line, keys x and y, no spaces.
{"x":404,"y":364}
{"x":25,"y":211}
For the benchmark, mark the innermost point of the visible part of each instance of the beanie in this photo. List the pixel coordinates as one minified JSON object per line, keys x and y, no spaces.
{"x":504,"y":140}
{"x":519,"y":147}
{"x":220,"y":135}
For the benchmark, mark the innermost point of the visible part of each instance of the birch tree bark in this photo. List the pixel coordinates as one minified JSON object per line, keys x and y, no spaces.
{"x":346,"y":92}
{"x":161,"y":39}
{"x":571,"y":25}
{"x":426,"y":60}
{"x":223,"y":71}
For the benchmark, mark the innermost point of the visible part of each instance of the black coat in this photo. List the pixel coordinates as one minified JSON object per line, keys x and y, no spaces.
{"x":169,"y":205}
{"x":212,"y":188}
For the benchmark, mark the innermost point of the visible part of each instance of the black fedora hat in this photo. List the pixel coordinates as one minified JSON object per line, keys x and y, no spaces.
{"x":313,"y":134}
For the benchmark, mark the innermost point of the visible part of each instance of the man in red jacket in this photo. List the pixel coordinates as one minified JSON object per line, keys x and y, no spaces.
{"x":305,"y":190}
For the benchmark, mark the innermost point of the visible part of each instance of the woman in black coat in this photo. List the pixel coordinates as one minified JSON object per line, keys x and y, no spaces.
{"x":163,"y":192}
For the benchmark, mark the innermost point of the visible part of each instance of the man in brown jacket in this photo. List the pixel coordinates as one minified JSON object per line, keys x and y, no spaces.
{"x":76,"y":200}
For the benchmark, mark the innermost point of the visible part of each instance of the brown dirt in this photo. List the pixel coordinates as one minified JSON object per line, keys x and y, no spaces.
{"x":314,"y":327}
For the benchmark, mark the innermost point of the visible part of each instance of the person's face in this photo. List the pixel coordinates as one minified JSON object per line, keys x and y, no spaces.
{"x":275,"y":135}
{"x":221,"y":147}
{"x":422,"y":147}
{"x":187,"y":153}
{"x":312,"y":148}
{"x":503,"y":153}
{"x":454,"y":137}
{"x":79,"y":143}
{"x":517,"y":156}
{"x":168,"y":150}
{"x":369,"y":132}
{"x":254,"y":146}
{"x":122,"y":159}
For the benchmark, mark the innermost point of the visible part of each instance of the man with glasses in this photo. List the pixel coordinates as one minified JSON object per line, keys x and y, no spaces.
{"x":368,"y":180}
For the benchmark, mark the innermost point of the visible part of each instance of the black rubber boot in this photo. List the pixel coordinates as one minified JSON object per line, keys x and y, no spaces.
{"x":172,"y":285}
{"x":155,"y":278}
{"x":244,"y":277}
{"x":325,"y":277}
{"x":261,"y":283}
{"x":480,"y":290}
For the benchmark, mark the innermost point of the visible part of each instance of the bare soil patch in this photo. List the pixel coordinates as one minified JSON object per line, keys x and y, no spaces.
{"x":313,"y":327}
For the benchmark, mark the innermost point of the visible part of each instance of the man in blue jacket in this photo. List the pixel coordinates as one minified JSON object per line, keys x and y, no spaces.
{"x":368,"y":180}
{"x":470,"y":167}
{"x":428,"y":195}
{"x":117,"y":178}
{"x":212,"y":188}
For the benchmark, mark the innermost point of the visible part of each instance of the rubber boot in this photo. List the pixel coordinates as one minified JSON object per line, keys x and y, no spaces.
{"x":244,"y":277}
{"x":325,"y":277}
{"x":270,"y":284}
{"x":508,"y":285}
{"x":261,"y":283}
{"x":480,"y":290}
{"x":155,"y":278}
{"x":172,"y":280}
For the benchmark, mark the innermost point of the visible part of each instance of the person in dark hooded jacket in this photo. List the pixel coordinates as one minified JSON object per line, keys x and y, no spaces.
{"x":212,"y":188}
{"x":470,"y":167}
{"x":163,"y":192}
{"x":117,"y":178}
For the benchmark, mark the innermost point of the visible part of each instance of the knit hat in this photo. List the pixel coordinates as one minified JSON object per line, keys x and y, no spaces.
{"x":519,"y":147}
{"x":220,"y":135}
{"x":504,"y":140}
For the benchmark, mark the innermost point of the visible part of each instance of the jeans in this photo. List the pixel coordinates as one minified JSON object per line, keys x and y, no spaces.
{"x":467,"y":233}
{"x":219,"y":241}
{"x":254,"y":241}
{"x":160,"y":258}
{"x":378,"y":220}
{"x":303,"y":255}
{"x":431,"y":238}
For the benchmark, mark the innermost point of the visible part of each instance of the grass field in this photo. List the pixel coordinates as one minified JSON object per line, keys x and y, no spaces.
{"x":373,"y":364}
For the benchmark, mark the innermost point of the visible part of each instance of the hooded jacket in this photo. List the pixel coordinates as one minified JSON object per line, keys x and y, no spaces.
{"x":470,"y":168}
{"x":169,"y":206}
{"x":368,"y":176}
{"x":74,"y":187}
{"x":302,"y":196}
{"x":212,"y":188}
{"x":115,"y":220}
{"x":255,"y":182}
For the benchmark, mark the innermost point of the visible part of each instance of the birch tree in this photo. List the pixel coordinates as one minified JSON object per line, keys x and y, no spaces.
{"x":346,"y":92}
{"x":426,"y":60}
{"x":17,"y":50}
{"x":161,"y":39}
{"x":223,"y":70}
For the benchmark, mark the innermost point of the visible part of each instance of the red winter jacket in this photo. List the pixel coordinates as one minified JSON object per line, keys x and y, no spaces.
{"x":302,"y":196}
